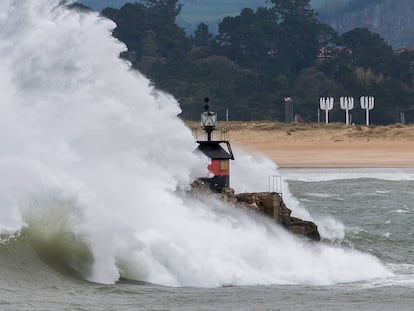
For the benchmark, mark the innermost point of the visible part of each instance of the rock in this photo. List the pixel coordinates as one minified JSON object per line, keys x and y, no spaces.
{"x":272,"y":205}
{"x":304,"y":228}
{"x":200,"y":186}
{"x":263,"y":202}
{"x":268,"y":203}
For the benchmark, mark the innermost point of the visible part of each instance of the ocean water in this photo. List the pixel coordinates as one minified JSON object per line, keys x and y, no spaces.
{"x":361,"y":210}
{"x":94,"y":203}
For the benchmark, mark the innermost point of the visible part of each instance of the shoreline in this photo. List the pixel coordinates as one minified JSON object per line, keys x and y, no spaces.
{"x":327,"y":154}
{"x":326,"y":145}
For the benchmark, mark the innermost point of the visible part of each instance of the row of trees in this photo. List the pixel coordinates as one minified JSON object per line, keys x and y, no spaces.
{"x":261,"y":56}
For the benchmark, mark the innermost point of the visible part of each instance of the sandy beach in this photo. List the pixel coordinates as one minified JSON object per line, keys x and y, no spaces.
{"x":321,"y":145}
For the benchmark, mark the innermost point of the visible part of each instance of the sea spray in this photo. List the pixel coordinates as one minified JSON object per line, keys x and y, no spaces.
{"x":251,"y":172}
{"x":254,"y":172}
{"x":78,"y":124}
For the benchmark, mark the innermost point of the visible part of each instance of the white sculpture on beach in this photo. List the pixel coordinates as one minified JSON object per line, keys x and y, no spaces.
{"x":326,"y":103}
{"x":347,"y":104}
{"x":367,"y":103}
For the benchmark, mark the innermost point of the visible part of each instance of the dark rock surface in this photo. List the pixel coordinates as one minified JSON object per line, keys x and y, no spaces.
{"x":268,"y":203}
{"x":271,"y":204}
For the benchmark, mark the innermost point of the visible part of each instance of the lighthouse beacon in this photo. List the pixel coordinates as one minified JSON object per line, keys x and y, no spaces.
{"x":219,"y":166}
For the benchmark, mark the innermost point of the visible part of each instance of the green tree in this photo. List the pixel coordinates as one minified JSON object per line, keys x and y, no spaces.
{"x":310,"y":85}
{"x":293,"y":10}
{"x":300,"y":32}
{"x":247,"y":38}
{"x":167,"y":10}
{"x":202,"y":36}
{"x":131,"y":21}
{"x":369,"y":50}
{"x":172,"y":41}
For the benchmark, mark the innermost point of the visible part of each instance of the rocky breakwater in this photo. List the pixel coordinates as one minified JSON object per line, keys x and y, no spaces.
{"x":269,"y":204}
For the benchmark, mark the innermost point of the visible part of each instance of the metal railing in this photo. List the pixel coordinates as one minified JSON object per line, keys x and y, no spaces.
{"x":276,"y":184}
{"x":220,"y":134}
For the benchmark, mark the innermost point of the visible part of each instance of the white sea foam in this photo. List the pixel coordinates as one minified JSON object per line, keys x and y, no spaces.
{"x":78,"y":125}
{"x":255,"y":173}
{"x":328,"y":174}
{"x":404,"y":276}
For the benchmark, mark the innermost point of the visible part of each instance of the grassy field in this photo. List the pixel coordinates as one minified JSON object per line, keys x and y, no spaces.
{"x":333,"y":131}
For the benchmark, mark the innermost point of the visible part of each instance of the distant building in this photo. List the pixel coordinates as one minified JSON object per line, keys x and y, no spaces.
{"x":327,"y":52}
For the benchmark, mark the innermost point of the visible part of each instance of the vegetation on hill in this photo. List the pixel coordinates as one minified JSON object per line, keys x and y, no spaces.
{"x":394,"y":20}
{"x":261,"y":56}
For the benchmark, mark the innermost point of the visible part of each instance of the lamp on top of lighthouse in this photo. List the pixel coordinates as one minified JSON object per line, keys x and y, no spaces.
{"x":208,"y":119}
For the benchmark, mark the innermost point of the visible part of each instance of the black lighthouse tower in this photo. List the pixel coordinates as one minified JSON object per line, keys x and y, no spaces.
{"x":220,"y":157}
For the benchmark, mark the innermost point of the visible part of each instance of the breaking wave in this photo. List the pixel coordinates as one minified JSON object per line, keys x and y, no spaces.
{"x":95,"y":166}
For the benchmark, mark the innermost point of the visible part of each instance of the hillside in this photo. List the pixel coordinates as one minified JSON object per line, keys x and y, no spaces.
{"x":395,"y":23}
